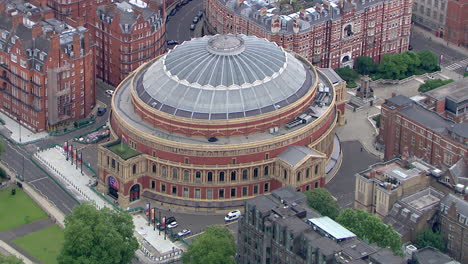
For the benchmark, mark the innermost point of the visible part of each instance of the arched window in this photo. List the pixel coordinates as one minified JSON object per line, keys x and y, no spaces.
{"x":154,"y":168}
{"x":186,"y":175}
{"x":307,"y":187}
{"x":233,"y":176}
{"x":316,"y":169}
{"x":308,"y":173}
{"x":285,"y":174}
{"x":134,"y":168}
{"x":245,"y":174}
{"x":163,"y":171}
{"x":299,"y":176}
{"x":348,"y":31}
{"x":210,"y":176}
{"x":255,"y":173}
{"x":174,"y":174}
{"x":221,"y":176}
{"x":267,"y":170}
{"x":197,"y":176}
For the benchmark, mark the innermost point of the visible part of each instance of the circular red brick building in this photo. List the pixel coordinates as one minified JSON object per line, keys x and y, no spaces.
{"x":218,"y":120}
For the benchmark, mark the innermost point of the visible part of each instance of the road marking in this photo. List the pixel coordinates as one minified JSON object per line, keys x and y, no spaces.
{"x":38,"y":179}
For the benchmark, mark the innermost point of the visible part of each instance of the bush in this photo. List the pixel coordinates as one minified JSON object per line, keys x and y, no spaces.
{"x":377,"y":120}
{"x":347,"y":74}
{"x":351,"y":84}
{"x":3,"y":174}
{"x":432,"y":84}
{"x":465,"y":74}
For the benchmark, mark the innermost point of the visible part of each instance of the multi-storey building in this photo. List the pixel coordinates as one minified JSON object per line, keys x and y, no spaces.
{"x":127,"y":34}
{"x":221,"y":119}
{"x":456,"y":22}
{"x":382,"y":184}
{"x":412,"y":213}
{"x":409,"y":129}
{"x":431,"y":14}
{"x":454,"y":226}
{"x":47,"y":67}
{"x":331,"y":34}
{"x":449,"y":101}
{"x":280,"y":228}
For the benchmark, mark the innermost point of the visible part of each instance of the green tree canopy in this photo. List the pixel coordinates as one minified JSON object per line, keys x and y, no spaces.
{"x":432,"y":84}
{"x":393,"y":66}
{"x":413,"y":62}
{"x":369,"y":227}
{"x":95,"y":236}
{"x":427,"y":237}
{"x":322,"y":201}
{"x":10,"y":260}
{"x":365,"y":65}
{"x":347,"y":73}
{"x":215,"y":246}
{"x":429,"y":60}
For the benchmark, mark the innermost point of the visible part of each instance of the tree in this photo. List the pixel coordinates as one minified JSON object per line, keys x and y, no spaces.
{"x":10,"y":260}
{"x":427,"y":237}
{"x":369,"y":227}
{"x":432,"y":84}
{"x":413,"y":62}
{"x":429,"y":60}
{"x":347,"y":73}
{"x":323,"y":202}
{"x":215,"y":246}
{"x":95,"y":236}
{"x":365,"y":65}
{"x":393,"y":66}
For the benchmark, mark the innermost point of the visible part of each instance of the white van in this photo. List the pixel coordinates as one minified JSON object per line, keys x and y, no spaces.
{"x":233,"y":215}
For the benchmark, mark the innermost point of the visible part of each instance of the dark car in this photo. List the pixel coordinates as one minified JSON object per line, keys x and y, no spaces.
{"x":192,"y":27}
{"x":410,"y":47}
{"x":200,"y":14}
{"x":172,"y":42}
{"x":101,"y":111}
{"x":173,"y":12}
{"x":170,"y":220}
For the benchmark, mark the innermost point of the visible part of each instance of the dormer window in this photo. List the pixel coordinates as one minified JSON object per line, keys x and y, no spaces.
{"x":41,"y":56}
{"x":38,"y":67}
{"x":4,"y":35}
{"x":14,"y":58}
{"x":23,"y":63}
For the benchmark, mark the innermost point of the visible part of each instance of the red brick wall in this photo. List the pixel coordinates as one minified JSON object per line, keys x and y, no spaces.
{"x":456,"y":21}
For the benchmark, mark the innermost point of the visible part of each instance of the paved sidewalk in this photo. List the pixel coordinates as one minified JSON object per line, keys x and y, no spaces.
{"x":19,"y":134}
{"x":4,"y":246}
{"x":70,"y":176}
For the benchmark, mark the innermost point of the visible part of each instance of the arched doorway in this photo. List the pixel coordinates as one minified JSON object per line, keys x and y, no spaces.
{"x":113,"y":187}
{"x":345,"y":59}
{"x":135,"y":192}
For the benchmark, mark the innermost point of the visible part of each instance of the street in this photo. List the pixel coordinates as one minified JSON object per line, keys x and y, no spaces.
{"x":178,"y":26}
{"x":452,"y":59}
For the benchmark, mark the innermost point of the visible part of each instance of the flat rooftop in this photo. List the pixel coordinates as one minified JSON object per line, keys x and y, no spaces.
{"x":424,"y":199}
{"x":124,"y":106}
{"x":332,"y":228}
{"x":457,"y":91}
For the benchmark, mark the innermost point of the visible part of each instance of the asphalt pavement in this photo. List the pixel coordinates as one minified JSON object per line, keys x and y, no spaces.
{"x":178,"y":26}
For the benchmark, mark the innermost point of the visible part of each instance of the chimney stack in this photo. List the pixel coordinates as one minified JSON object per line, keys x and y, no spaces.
{"x":17,"y":19}
{"x":36,"y":30}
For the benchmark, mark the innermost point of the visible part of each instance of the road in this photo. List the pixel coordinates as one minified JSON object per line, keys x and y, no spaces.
{"x":178,"y":26}
{"x":452,"y":59}
{"x":18,"y":156}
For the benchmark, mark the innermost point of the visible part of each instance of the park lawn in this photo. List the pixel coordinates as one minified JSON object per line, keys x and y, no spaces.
{"x":45,"y":245}
{"x":17,"y":210}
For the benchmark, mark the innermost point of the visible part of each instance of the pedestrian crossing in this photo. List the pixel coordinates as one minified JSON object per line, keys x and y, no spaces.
{"x":457,"y":65}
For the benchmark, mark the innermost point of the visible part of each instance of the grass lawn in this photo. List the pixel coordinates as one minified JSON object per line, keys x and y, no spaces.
{"x":17,"y":210}
{"x":45,"y":245}
{"x":123,"y":150}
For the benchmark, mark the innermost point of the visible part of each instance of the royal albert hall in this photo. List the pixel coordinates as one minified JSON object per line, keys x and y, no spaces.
{"x":218,"y":120}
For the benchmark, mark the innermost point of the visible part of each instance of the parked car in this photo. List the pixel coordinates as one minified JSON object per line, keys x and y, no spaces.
{"x":192,"y":27}
{"x":172,"y":225}
{"x":184,"y":232}
{"x":101,"y":111}
{"x":200,"y":14}
{"x":410,"y":47}
{"x":173,"y":12}
{"x":170,"y":220}
{"x":110,"y":92}
{"x":184,"y":2}
{"x":195,"y":20}
{"x":232,"y":216}
{"x":172,"y":42}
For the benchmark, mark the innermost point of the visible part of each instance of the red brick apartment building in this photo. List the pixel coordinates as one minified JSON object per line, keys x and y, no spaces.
{"x":410,"y":129}
{"x":126,"y":33}
{"x":456,"y":22}
{"x":331,"y":34}
{"x":47,"y":72}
